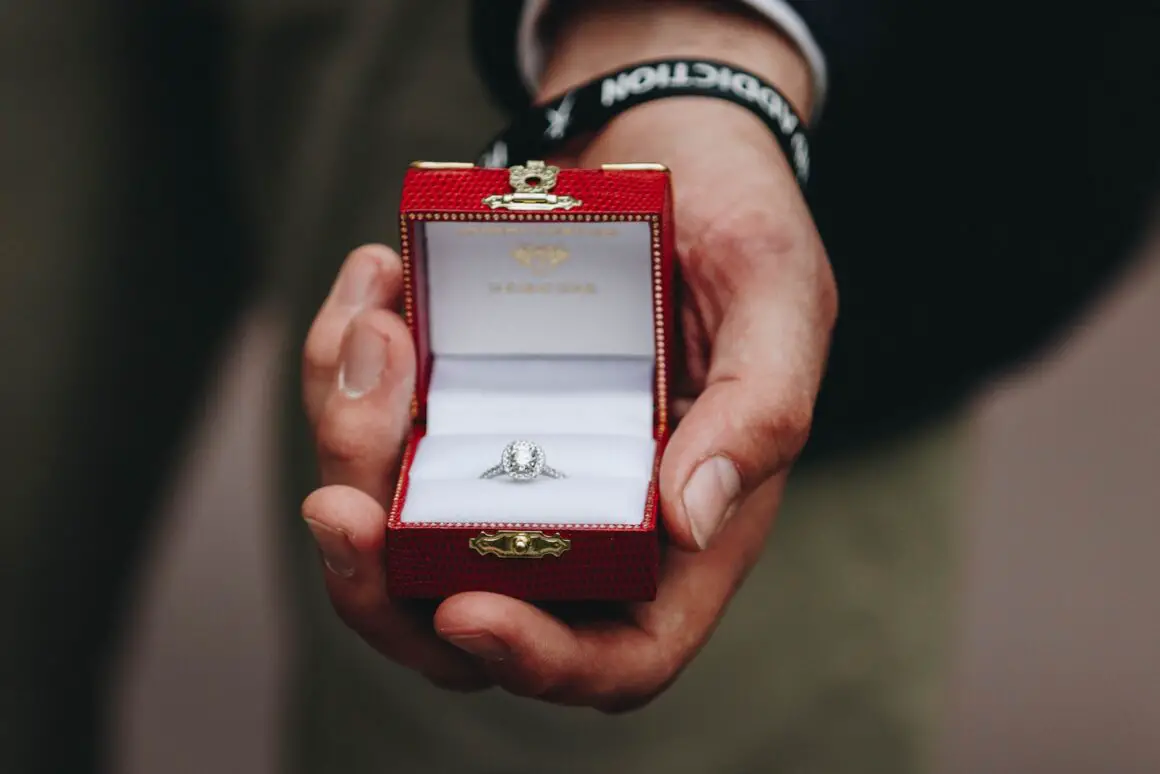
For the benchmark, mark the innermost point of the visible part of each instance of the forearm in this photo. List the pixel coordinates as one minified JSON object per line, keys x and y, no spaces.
{"x":589,"y":38}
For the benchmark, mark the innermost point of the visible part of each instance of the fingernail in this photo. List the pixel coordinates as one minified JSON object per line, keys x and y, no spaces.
{"x":485,"y":646}
{"x":336,"y":549}
{"x":364,"y":356}
{"x":357,"y":280}
{"x":709,"y":497}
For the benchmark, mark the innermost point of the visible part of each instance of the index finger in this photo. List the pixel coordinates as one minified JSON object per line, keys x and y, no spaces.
{"x":612,"y":665}
{"x":370,"y":278}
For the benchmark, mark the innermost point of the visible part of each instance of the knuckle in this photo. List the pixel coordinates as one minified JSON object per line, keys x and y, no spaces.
{"x":787,"y":427}
{"x":320,"y":350}
{"x":345,"y":437}
{"x":793,"y":431}
{"x":319,"y":341}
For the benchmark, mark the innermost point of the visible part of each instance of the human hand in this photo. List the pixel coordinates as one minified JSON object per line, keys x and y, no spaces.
{"x":759,"y":308}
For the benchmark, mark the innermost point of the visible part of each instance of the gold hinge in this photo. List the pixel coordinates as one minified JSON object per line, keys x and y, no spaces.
{"x":532,"y":184}
{"x":519,"y":545}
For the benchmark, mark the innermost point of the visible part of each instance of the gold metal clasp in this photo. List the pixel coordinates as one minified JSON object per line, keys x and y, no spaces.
{"x":532,"y":184}
{"x":519,"y":545}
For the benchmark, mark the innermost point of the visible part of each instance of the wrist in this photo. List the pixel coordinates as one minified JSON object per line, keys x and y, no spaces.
{"x":590,"y":38}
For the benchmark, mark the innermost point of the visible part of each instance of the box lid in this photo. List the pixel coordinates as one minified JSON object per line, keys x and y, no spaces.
{"x":538,"y":261}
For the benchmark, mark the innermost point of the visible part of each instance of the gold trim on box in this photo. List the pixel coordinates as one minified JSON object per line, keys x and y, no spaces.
{"x":442,"y":165}
{"x":635,"y":166}
{"x":410,"y":219}
{"x":532,"y":183}
{"x":519,"y":545}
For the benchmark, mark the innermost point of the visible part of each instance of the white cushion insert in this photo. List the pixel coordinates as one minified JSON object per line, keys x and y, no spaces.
{"x":592,"y":416}
{"x":525,"y":396}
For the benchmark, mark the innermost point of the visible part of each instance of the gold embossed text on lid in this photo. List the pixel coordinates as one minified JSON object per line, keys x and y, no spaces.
{"x":519,"y":545}
{"x":532,"y":184}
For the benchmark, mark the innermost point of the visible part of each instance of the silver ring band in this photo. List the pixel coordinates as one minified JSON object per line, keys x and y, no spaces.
{"x":498,"y":470}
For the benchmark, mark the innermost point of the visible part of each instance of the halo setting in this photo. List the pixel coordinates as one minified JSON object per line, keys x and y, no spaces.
{"x":522,"y":461}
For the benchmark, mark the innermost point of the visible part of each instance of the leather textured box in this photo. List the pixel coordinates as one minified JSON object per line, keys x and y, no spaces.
{"x":541,"y":305}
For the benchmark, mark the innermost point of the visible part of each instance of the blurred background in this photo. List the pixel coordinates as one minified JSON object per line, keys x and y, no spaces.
{"x":1058,"y":664}
{"x":127,"y":232}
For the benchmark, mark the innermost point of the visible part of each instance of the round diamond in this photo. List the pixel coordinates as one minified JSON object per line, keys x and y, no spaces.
{"x":523,"y":460}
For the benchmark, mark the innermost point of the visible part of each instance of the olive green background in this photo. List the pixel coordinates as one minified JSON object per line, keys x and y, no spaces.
{"x":181,"y":180}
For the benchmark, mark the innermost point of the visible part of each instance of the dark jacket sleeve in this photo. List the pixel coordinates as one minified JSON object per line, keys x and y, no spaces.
{"x":978,"y":178}
{"x":846,"y":32}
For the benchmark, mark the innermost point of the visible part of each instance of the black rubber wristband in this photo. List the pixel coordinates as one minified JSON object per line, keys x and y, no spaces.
{"x":585,"y":109}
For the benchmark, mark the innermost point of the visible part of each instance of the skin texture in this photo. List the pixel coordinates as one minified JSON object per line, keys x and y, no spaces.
{"x":759,"y":311}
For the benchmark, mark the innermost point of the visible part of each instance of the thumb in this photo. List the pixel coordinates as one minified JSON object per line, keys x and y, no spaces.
{"x":731,"y":441}
{"x":750,"y":422}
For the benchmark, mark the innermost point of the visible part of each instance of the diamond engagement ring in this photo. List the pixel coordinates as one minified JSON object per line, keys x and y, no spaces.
{"x":522,"y":461}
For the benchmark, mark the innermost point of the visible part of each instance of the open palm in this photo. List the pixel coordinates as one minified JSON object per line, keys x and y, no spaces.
{"x":759,"y":307}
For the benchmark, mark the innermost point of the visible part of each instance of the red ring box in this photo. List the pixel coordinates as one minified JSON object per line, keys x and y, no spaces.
{"x":541,"y":305}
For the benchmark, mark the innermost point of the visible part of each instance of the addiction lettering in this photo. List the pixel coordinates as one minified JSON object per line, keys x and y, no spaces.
{"x":701,"y":75}
{"x":707,"y":76}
